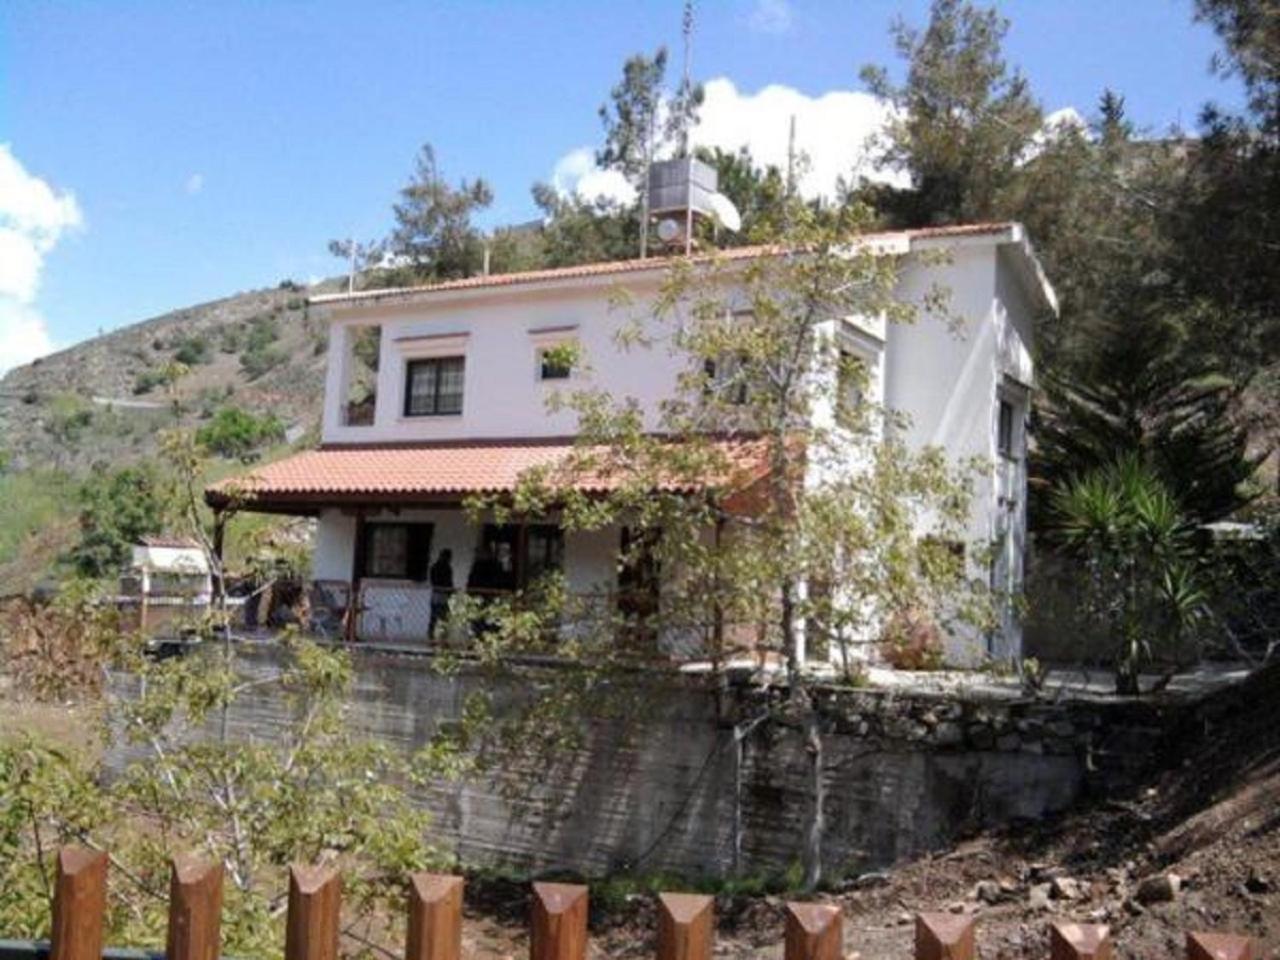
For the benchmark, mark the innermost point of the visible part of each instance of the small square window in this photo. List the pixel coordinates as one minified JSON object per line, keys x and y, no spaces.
{"x":554,"y":363}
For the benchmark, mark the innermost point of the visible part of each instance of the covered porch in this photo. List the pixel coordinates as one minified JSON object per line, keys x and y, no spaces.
{"x":395,"y":542}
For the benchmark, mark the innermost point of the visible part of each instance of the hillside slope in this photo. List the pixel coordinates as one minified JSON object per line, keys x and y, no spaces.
{"x":104,"y":400}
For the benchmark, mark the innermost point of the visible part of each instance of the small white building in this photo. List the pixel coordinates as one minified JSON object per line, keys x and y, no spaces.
{"x":172,"y":569}
{"x":439,"y":392}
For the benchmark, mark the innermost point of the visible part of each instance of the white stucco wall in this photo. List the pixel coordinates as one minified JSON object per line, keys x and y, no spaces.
{"x":944,"y":373}
{"x":499,"y":332}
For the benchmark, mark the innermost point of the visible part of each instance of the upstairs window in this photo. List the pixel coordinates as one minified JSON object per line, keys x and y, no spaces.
{"x":1007,"y":431}
{"x":853,"y":380}
{"x":433,"y":387}
{"x":726,"y":376}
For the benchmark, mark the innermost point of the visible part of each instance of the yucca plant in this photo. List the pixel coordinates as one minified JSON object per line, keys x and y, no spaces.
{"x":1135,"y":545}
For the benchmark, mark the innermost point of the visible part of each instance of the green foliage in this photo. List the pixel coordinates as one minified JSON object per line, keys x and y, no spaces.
{"x":259,"y":353}
{"x":237,"y":433}
{"x":148,"y":380}
{"x":256,"y":362}
{"x":117,"y":508}
{"x":32,"y":501}
{"x":434,"y":234}
{"x":192,"y":350}
{"x":50,"y":797}
{"x":963,"y":119}
{"x":759,"y":193}
{"x":633,"y":134}
{"x":69,"y":416}
{"x":585,"y":230}
{"x":1134,"y":544}
{"x":312,"y":791}
{"x":1141,"y":390}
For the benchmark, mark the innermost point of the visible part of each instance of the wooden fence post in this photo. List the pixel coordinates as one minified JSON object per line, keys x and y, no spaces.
{"x":559,"y":922}
{"x":686,"y":926}
{"x":435,"y":917}
{"x":315,"y":899}
{"x":1218,"y":946}
{"x":195,"y":909}
{"x":79,"y":904}
{"x":1079,"y":941}
{"x":814,"y":932}
{"x":944,"y":936}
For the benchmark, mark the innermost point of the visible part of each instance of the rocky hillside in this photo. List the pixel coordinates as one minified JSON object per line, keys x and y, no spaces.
{"x":105,"y":399}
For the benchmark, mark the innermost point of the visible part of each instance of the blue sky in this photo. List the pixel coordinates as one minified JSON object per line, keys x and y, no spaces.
{"x":188,"y":151}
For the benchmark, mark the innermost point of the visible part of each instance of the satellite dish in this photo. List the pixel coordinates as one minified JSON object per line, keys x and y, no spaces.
{"x":725,"y":212}
{"x":668,"y":230}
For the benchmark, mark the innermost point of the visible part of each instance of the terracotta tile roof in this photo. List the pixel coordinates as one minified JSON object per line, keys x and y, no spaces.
{"x":348,"y":474}
{"x":636,"y":266}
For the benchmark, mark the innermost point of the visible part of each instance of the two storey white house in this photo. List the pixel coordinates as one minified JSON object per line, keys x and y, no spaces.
{"x":438,"y":393}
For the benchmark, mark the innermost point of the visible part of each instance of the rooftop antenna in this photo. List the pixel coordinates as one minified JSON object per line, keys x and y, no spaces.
{"x":686,"y":91}
{"x":686,"y":86}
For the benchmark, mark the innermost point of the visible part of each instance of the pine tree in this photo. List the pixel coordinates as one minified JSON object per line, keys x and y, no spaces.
{"x":1140,"y":392}
{"x":434,"y":238}
{"x":964,"y":120}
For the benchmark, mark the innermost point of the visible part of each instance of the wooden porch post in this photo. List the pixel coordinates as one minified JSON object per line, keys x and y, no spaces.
{"x":219,"y":540}
{"x":357,"y":572}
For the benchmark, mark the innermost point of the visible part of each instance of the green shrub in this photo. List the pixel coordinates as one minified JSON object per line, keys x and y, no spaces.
{"x":230,"y":338}
{"x":148,"y":380}
{"x":69,"y":415}
{"x":238,"y":433}
{"x":259,"y":354}
{"x":192,"y":350}
{"x":255,"y":363}
{"x":117,"y":508}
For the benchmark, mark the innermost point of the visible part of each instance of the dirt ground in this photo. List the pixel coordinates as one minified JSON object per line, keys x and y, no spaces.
{"x":1211,"y":819}
{"x":1208,"y":825}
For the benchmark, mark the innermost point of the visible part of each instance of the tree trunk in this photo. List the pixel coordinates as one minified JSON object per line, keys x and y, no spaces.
{"x":817,"y":800}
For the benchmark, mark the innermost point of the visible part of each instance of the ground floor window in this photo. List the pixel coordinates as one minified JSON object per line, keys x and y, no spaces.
{"x":511,"y":556}
{"x":394,"y":551}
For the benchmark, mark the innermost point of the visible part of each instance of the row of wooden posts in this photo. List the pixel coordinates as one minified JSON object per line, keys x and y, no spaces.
{"x":558,"y":921}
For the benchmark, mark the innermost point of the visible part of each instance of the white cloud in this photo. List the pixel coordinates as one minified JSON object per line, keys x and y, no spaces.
{"x":832,"y":131}
{"x":24,"y":335}
{"x":770,"y":16}
{"x":195,"y":183}
{"x":33,"y":218}
{"x":576,"y":172}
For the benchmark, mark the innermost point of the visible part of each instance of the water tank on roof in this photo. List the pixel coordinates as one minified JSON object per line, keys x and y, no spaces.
{"x":683,"y":186}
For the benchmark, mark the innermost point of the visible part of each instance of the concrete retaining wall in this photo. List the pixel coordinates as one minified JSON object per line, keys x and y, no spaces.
{"x":665,"y":786}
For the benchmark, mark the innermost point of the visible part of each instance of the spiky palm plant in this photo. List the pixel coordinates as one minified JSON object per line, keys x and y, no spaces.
{"x":1126,"y":527}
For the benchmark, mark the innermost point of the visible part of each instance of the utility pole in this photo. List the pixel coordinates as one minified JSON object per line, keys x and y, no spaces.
{"x":791,"y":159}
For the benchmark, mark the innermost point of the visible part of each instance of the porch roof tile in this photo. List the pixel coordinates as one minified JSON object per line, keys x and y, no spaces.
{"x":348,"y":473}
